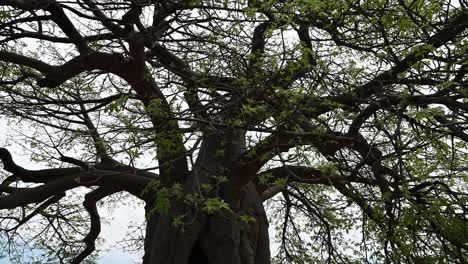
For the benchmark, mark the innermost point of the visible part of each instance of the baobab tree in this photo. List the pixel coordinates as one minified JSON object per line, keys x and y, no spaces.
{"x":350,"y":116}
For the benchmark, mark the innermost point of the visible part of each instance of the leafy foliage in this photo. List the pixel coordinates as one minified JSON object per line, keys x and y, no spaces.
{"x":348,"y":118}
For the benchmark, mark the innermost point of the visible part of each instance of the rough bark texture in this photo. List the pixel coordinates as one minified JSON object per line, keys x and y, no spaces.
{"x":216,"y":238}
{"x":211,"y":238}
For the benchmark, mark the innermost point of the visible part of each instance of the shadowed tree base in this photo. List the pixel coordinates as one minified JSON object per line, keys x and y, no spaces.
{"x":211,"y":238}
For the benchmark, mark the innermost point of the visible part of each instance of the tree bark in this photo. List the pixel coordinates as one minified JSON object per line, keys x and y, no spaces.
{"x":210,"y":238}
{"x":219,"y":237}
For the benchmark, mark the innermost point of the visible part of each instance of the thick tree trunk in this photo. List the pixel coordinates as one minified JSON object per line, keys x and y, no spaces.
{"x":229,"y":240}
{"x":215,"y":238}
{"x":210,"y":238}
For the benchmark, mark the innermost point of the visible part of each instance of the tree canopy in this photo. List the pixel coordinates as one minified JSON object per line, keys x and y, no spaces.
{"x":344,"y":120}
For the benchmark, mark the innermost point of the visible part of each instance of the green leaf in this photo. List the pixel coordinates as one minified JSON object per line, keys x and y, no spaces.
{"x":163,"y":203}
{"x":248,"y":219}
{"x":213,"y":205}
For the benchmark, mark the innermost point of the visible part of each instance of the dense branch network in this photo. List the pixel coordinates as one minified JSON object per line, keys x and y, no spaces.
{"x":343,"y":107}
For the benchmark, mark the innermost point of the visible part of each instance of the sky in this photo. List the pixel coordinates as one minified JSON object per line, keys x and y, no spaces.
{"x":118,"y":220}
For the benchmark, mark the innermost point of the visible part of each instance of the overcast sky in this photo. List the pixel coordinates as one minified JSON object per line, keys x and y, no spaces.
{"x":118,"y":220}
